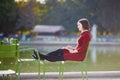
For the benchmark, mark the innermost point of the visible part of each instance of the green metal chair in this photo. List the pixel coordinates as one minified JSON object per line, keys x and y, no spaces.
{"x":21,"y":60}
{"x":1,"y":43}
{"x":9,"y":54}
{"x":14,"y":42}
{"x":24,"y":49}
{"x":60,"y":74}
{"x":13,"y":50}
{"x":61,"y":70}
{"x":83,"y":68}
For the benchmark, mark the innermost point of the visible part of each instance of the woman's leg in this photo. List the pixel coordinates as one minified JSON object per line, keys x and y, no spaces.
{"x":55,"y":56}
{"x":35,"y":55}
{"x":52,"y":56}
{"x":56,"y":52}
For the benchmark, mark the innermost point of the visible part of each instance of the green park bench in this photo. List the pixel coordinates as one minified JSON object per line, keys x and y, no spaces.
{"x":10,"y":61}
{"x":83,"y":68}
{"x":9,"y":54}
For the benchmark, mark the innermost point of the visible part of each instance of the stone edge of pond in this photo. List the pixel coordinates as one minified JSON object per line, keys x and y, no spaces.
{"x":91,"y":74}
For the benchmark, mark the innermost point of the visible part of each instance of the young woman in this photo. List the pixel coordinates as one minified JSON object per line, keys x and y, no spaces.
{"x":77,"y":53}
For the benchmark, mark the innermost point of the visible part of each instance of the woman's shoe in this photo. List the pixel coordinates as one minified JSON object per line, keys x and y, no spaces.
{"x":35,"y":56}
{"x":42,"y":57}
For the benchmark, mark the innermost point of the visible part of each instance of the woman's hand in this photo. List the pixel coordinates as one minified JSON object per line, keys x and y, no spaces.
{"x":69,"y":47}
{"x":73,"y":51}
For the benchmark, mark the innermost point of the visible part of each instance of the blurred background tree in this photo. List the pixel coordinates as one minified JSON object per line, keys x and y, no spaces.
{"x":26,"y":12}
{"x":104,"y":13}
{"x":64,"y":12}
{"x":108,"y":16}
{"x":24,"y":15}
{"x":7,"y":16}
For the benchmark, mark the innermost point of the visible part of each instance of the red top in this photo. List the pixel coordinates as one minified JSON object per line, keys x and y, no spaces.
{"x":81,"y":47}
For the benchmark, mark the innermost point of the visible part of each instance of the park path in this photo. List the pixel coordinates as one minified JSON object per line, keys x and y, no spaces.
{"x":93,"y":75}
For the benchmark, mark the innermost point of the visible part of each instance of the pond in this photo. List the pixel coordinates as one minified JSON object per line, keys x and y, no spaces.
{"x":100,"y":58}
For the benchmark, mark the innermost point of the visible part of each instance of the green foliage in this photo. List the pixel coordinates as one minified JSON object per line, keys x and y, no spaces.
{"x":108,"y":15}
{"x":65,"y":13}
{"x":25,"y":16}
{"x":104,"y":13}
{"x":7,"y":16}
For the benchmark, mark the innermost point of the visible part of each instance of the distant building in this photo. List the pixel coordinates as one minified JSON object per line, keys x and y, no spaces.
{"x":48,"y":29}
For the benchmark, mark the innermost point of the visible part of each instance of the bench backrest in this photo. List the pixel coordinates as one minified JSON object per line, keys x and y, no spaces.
{"x":9,"y":51}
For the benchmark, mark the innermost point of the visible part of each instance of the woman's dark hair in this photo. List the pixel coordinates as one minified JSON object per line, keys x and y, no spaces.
{"x":85,"y":23}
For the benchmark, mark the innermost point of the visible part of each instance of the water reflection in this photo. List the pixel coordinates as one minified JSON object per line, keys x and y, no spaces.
{"x":105,"y":57}
{"x":93,"y":55}
{"x":103,"y":50}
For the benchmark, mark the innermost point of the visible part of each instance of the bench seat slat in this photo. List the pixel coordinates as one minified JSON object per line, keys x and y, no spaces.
{"x":7,"y":72}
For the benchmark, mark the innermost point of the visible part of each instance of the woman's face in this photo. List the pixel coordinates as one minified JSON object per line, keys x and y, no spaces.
{"x":79,"y":25}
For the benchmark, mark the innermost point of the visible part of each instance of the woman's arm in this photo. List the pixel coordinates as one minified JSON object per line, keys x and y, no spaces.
{"x":71,"y":49}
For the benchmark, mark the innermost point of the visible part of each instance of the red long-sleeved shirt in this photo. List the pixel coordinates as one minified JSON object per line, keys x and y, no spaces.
{"x":81,"y":47}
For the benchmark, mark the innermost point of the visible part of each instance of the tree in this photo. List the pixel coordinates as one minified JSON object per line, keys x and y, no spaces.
{"x":108,"y":19}
{"x":65,"y":12}
{"x":104,"y":13}
{"x":25,"y":15}
{"x":7,"y":16}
